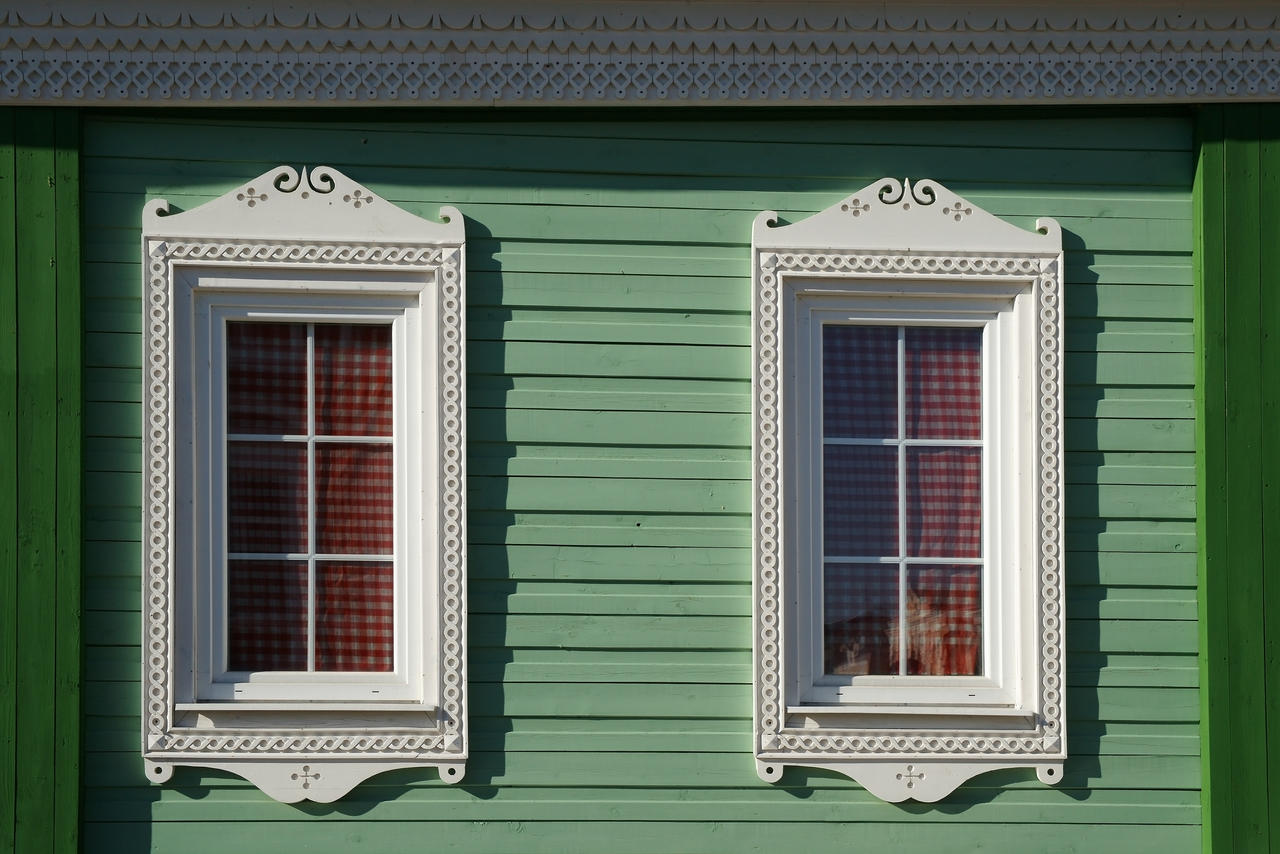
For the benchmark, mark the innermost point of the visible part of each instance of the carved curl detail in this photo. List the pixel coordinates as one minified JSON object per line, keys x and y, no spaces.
{"x":892,"y":191}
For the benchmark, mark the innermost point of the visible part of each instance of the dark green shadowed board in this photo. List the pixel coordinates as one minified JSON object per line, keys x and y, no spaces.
{"x":609,"y":494}
{"x":40,"y":508}
{"x":8,"y":482}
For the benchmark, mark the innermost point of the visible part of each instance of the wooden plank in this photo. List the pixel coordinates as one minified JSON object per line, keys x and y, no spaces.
{"x":571,"y":803}
{"x":1175,"y":468}
{"x":684,"y":633}
{"x":115,"y":734}
{"x":421,"y":803}
{"x":734,"y":599}
{"x":615,"y":327}
{"x":1129,"y":536}
{"x":498,"y":273}
{"x":607,"y":461}
{"x":113,"y":385}
{"x":621,"y":837}
{"x":1246,"y":667}
{"x":37,"y":481}
{"x":1132,"y":568}
{"x":655,"y":564}
{"x":495,"y":323}
{"x":115,"y":274}
{"x":66,"y":626}
{"x":695,"y":770}
{"x":1141,"y":132}
{"x":1130,"y":401}
{"x":194,"y":181}
{"x":1269,"y":472}
{"x":649,"y":394}
{"x":8,"y":482}
{"x":108,"y":314}
{"x":731,"y":430}
{"x":697,"y":221}
{"x":1209,"y":197}
{"x":674,"y":157}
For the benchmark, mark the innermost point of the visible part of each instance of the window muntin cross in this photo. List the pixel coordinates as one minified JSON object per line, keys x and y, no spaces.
{"x":310,"y":497}
{"x":902,"y":497}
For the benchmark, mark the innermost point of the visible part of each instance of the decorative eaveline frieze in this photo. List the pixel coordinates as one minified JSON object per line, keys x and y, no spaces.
{"x":641,"y":53}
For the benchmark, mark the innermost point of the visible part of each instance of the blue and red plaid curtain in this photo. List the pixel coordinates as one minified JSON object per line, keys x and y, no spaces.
{"x":267,"y":496}
{"x":877,"y":613}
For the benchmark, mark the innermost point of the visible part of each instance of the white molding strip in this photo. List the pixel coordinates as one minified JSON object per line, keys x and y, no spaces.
{"x":331,"y":52}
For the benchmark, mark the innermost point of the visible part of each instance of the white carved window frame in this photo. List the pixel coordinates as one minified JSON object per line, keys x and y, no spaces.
{"x":904,"y":254}
{"x":301,"y":247}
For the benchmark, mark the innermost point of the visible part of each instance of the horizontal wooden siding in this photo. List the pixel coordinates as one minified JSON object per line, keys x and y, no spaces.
{"x":609,"y":359}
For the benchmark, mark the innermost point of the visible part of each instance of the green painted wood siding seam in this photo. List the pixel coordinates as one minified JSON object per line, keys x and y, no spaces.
{"x":1210,"y":494}
{"x":8,"y":483}
{"x":40,"y":410}
{"x":68,"y":675}
{"x":1269,"y":266}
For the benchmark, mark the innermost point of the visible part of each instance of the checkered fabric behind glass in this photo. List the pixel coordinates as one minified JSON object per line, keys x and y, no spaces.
{"x":267,"y":495}
{"x":942,"y":372}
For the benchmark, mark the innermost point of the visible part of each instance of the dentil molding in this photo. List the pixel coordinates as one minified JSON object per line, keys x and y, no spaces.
{"x":458,"y":53}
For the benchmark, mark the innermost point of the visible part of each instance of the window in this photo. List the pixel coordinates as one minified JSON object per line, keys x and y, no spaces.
{"x":907,"y":479}
{"x":310,"y":466}
{"x":305,"y":571}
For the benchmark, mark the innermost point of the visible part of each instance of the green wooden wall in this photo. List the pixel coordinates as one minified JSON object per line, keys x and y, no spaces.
{"x":1238,"y":330}
{"x":609,"y":496}
{"x":40,"y":345}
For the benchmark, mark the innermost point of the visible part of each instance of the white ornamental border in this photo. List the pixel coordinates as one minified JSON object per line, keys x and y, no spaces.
{"x":164,"y":741}
{"x":634,"y":53}
{"x":782,"y":743}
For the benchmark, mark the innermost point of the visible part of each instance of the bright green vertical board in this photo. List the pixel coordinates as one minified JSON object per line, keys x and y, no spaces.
{"x":1238,"y":404}
{"x":40,"y":509}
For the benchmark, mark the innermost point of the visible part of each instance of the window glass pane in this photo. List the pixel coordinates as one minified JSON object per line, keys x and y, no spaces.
{"x":267,"y":497}
{"x":355,"y":625}
{"x":353,"y":379}
{"x":944,"y":382}
{"x":860,"y":617}
{"x":944,"y":502}
{"x":355,"y":505}
{"x":267,"y":378}
{"x":267,"y":629}
{"x":944,"y":620}
{"x":860,"y":500}
{"x":859,"y":382}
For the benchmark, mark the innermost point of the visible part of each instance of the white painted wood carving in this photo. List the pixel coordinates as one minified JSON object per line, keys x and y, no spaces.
{"x":317,"y":245}
{"x":914,"y":253}
{"x":640,"y":53}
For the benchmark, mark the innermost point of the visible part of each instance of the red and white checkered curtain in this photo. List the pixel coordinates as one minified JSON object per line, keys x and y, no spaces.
{"x":867,"y":605}
{"x":267,"y":494}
